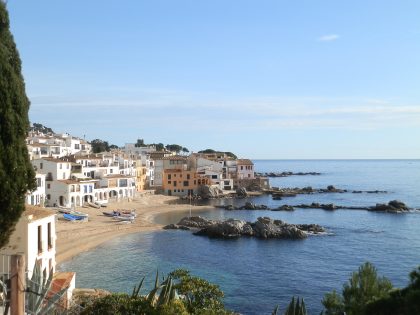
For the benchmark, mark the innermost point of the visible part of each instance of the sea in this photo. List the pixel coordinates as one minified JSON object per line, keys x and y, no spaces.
{"x":256,"y":275}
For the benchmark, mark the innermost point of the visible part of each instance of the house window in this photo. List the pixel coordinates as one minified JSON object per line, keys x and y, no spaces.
{"x":169,"y":182}
{"x":111,"y":171}
{"x":68,"y":166}
{"x":169,"y":176}
{"x":76,"y":146}
{"x":48,"y":186}
{"x":40,"y":166}
{"x":48,"y":197}
{"x":242,"y":167}
{"x":186,"y":183}
{"x":49,"y":236}
{"x":195,"y":182}
{"x":39,"y":239}
{"x":188,"y":176}
{"x":38,"y":182}
{"x":174,"y":183}
{"x":64,"y":175}
{"x":60,"y":165}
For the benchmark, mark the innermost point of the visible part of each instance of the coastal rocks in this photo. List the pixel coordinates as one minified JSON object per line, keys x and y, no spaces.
{"x":196,"y":222}
{"x":230,"y":228}
{"x":279,"y":193}
{"x":315,"y":205}
{"x":208,"y":192}
{"x":283,"y":208}
{"x":292,"y":192}
{"x":268,"y":228}
{"x":241,"y":192}
{"x":263,"y":228}
{"x":394,"y":206}
{"x":247,"y":206}
{"x":175,"y":227}
{"x":285,"y":174}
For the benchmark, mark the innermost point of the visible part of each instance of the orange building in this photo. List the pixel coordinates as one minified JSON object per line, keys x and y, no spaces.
{"x":179,"y":182}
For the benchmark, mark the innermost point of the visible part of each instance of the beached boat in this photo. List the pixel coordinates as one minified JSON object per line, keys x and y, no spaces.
{"x":128,"y":213}
{"x":111,"y":214}
{"x":72,"y":217}
{"x":79,"y":214}
{"x":124,"y":218}
{"x":93,"y":205}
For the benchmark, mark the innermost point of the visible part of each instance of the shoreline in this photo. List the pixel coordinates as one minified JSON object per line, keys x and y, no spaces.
{"x":74,"y":238}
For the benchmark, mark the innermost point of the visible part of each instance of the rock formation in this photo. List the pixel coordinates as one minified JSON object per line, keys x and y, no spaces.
{"x":264,"y":228}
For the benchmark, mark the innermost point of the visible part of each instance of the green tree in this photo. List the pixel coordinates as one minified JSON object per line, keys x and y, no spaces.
{"x":139,"y":143}
{"x":99,"y":145}
{"x":16,"y":172}
{"x":363,"y":287}
{"x":202,"y":296}
{"x":173,"y":148}
{"x":333,"y":303}
{"x":404,"y":301}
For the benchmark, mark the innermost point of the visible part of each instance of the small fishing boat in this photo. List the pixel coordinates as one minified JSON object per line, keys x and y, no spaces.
{"x":79,"y":214}
{"x":93,"y":205}
{"x":72,"y":217}
{"x":111,"y":214}
{"x":124,"y":218}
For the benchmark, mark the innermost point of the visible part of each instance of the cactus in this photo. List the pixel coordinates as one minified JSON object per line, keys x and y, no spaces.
{"x":36,"y":292}
{"x":296,"y":307}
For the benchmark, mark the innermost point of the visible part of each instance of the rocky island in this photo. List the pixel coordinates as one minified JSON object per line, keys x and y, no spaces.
{"x":263,"y":228}
{"x":394,"y":206}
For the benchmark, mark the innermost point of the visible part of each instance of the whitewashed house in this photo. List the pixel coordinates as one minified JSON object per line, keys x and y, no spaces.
{"x":245,"y":169}
{"x":54,"y":170}
{"x":35,"y":237}
{"x":37,"y":197}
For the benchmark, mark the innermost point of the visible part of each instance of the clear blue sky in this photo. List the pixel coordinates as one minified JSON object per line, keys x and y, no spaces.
{"x":263,"y":79}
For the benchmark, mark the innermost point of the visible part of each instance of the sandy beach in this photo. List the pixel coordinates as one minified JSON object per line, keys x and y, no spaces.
{"x":74,"y":238}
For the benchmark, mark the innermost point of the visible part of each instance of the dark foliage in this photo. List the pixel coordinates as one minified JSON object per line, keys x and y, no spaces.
{"x":16,"y":172}
{"x":211,"y":151}
{"x":400,"y":301}
{"x":40,"y":128}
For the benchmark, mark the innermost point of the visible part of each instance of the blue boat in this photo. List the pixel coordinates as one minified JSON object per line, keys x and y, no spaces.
{"x":73,"y":217}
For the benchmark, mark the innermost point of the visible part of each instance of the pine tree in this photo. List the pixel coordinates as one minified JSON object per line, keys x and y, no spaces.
{"x":16,"y":172}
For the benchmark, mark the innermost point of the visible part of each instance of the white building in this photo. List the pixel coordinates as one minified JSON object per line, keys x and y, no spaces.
{"x":245,"y":169}
{"x":35,"y":237}
{"x":54,"y":171}
{"x":37,"y":197}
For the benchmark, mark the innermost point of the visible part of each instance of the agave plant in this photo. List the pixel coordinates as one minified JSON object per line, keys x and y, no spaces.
{"x":162,"y":293}
{"x":296,"y":307}
{"x":36,"y":292}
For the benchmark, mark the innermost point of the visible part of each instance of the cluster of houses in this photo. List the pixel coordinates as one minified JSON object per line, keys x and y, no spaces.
{"x":68,"y":174}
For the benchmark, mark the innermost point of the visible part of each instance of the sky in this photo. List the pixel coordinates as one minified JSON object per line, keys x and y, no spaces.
{"x":266,"y":79}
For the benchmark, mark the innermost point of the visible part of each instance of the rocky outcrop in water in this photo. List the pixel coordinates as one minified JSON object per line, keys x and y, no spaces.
{"x":394,"y":206}
{"x":279,"y":193}
{"x":285,"y":174}
{"x":263,"y":228}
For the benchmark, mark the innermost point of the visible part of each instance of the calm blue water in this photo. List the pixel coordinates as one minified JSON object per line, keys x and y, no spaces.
{"x":256,"y":275}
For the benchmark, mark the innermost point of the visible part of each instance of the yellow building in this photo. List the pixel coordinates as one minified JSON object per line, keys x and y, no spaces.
{"x":141,"y":177}
{"x":179,"y":182}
